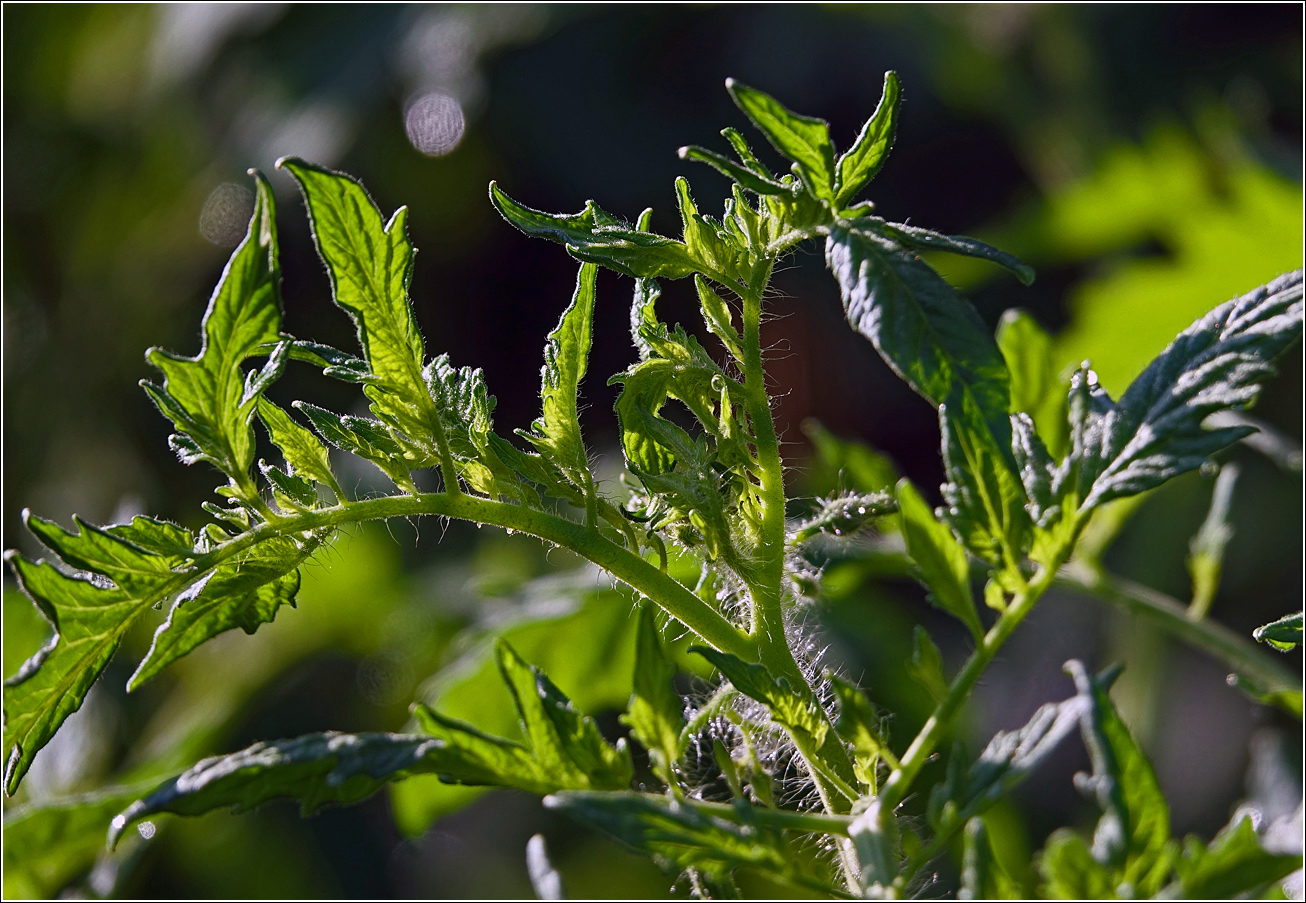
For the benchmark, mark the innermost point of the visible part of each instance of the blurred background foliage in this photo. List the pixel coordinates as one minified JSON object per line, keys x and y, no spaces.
{"x":1146,"y":159}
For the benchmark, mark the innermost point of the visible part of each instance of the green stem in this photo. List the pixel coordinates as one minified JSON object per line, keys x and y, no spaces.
{"x":626,"y":566}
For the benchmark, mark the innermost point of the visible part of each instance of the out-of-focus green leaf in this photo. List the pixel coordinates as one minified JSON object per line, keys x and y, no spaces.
{"x":928,"y":240}
{"x":1233,"y":864}
{"x":860,"y":727}
{"x":1206,"y":548}
{"x":863,"y":160}
{"x":862,"y":467}
{"x":982,"y":876}
{"x":926,"y":665}
{"x":1284,"y":634}
{"x":1068,"y":870}
{"x":845,"y":514}
{"x":874,"y":836}
{"x":1035,"y":387}
{"x":802,"y":139}
{"x":1132,"y":839}
{"x":656,"y":712}
{"x":942,"y":562}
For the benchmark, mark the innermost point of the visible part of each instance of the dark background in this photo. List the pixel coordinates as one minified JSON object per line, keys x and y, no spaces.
{"x":1146,"y":159}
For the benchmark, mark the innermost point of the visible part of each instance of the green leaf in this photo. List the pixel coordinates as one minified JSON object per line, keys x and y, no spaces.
{"x":1155,"y":432}
{"x":303,"y":452}
{"x":926,"y":665}
{"x":716,"y":314}
{"x":206,"y":396}
{"x":1284,"y":634}
{"x":982,"y":876}
{"x":316,"y":769}
{"x":790,"y":709}
{"x":244,"y":592}
{"x":557,"y":433}
{"x":656,"y":712}
{"x":1234,"y":864}
{"x":942,"y":562}
{"x":1007,"y":759}
{"x":859,"y":725}
{"x":598,"y":237}
{"x":1206,"y":548}
{"x":1035,"y":387}
{"x":925,"y":331}
{"x":158,"y":536}
{"x":677,"y":835}
{"x":862,"y":467}
{"x":874,"y":835}
{"x":474,"y":757}
{"x":845,"y":514}
{"x":863,"y":160}
{"x":565,"y":744}
{"x":48,"y":843}
{"x":362,"y":436}
{"x":1132,"y":838}
{"x":802,"y":139}
{"x":746,"y":177}
{"x":928,"y":240}
{"x":1069,"y":871}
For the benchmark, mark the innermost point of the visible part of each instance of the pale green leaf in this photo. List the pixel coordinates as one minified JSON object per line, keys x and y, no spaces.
{"x":941,"y":560}
{"x":656,"y":712}
{"x":982,"y":876}
{"x":926,"y":665}
{"x":788,"y":707}
{"x":1234,"y":864}
{"x":303,"y":452}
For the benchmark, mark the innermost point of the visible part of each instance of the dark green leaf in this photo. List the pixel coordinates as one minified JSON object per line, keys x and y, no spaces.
{"x":205,"y":396}
{"x":675,"y":834}
{"x":862,"y":467}
{"x":1155,"y":432}
{"x":1232,"y":865}
{"x":982,"y":876}
{"x":928,"y":240}
{"x":863,"y":160}
{"x":942,"y":562}
{"x":802,"y":139}
{"x":788,"y":707}
{"x":1284,"y":634}
{"x":656,"y":712}
{"x":291,"y":491}
{"x":316,"y":769}
{"x":1132,"y":838}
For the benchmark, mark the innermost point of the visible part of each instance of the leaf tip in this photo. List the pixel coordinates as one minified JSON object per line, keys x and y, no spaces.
{"x":288,"y":162}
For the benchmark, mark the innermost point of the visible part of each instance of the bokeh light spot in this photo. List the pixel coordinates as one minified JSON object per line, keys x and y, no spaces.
{"x":435,"y":124}
{"x":226,"y":213}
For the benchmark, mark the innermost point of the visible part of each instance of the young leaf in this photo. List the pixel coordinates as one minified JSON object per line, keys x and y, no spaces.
{"x":942,"y":562}
{"x":845,"y":514}
{"x":305,"y":455}
{"x":1284,"y":634}
{"x":928,"y":240}
{"x":1155,"y":432}
{"x":1206,"y":548}
{"x":802,"y":139}
{"x":206,"y":396}
{"x":316,"y":769}
{"x":597,"y":237}
{"x":926,"y":665}
{"x":557,"y":433}
{"x":787,"y":707}
{"x":1132,"y":838}
{"x":473,"y":757}
{"x":860,"y":727}
{"x":1235,"y":864}
{"x":732,"y":170}
{"x":1035,"y":388}
{"x":1069,"y":871}
{"x":863,"y":160}
{"x":675,"y":834}
{"x":361,"y":436}
{"x":656,"y":712}
{"x":982,"y":876}
{"x":716,"y":314}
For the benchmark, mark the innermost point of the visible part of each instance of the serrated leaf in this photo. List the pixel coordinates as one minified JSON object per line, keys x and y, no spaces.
{"x":1284,"y":634}
{"x":95,"y":549}
{"x":158,"y":536}
{"x":245,"y":592}
{"x":926,"y":665}
{"x":802,"y":139}
{"x":943,"y":565}
{"x":1155,"y":432}
{"x":556,"y":433}
{"x":863,"y":160}
{"x":788,"y":707}
{"x":315,"y":769}
{"x":473,"y":757}
{"x":1233,"y":864}
{"x":675,"y":834}
{"x":361,"y":436}
{"x":598,"y":237}
{"x":859,"y":725}
{"x":564,"y":742}
{"x":716,"y":314}
{"x":656,"y":712}
{"x":928,"y":240}
{"x":205,"y":396}
{"x":303,"y":452}
{"x":982,"y":876}
{"x":1132,"y":838}
{"x":291,"y":491}
{"x":922,"y":328}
